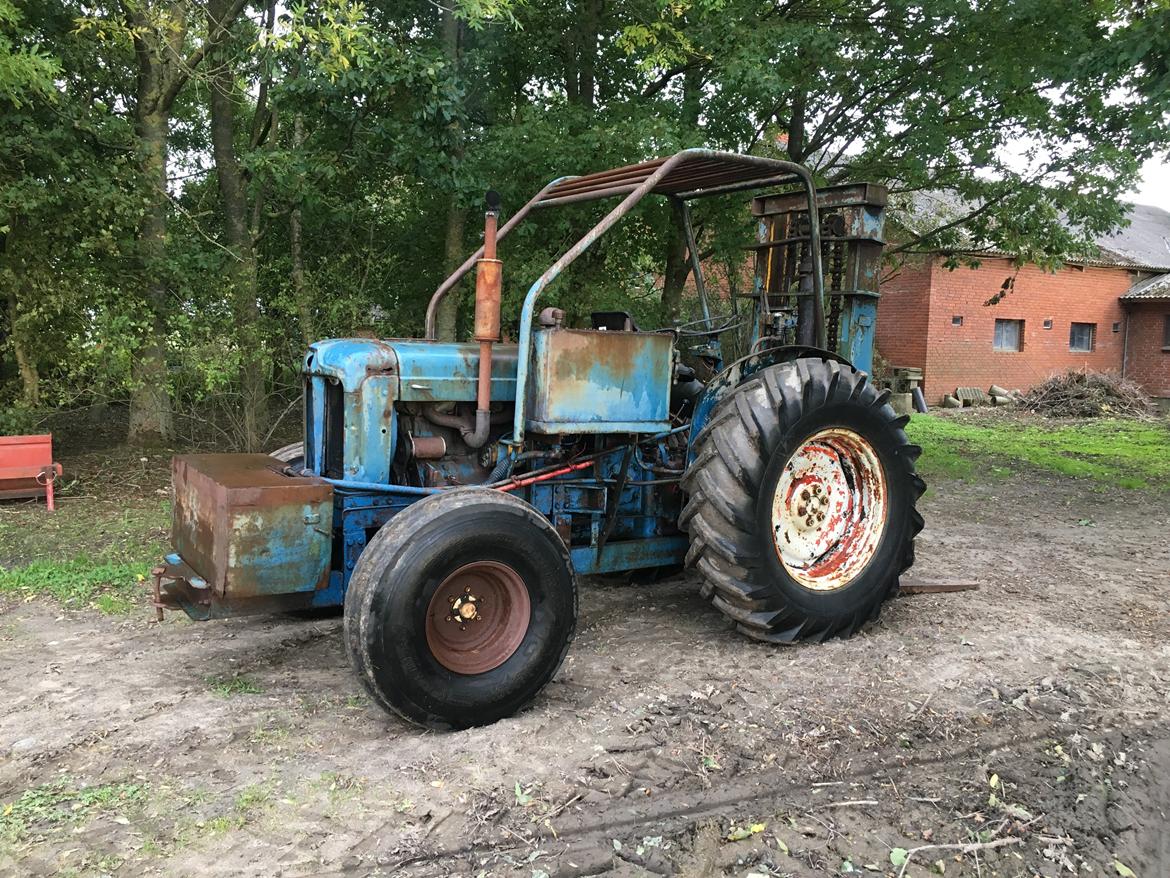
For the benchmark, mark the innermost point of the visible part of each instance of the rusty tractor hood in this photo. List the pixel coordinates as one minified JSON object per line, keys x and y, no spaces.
{"x":424,"y":371}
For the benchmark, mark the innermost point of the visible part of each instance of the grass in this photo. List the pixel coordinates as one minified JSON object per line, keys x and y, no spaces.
{"x":236,"y":684}
{"x":251,"y":802}
{"x":62,"y":803}
{"x":109,"y":586}
{"x":1122,"y":453}
{"x":92,"y":553}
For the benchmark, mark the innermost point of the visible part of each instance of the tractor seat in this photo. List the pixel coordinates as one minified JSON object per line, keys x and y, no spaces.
{"x":613,"y":321}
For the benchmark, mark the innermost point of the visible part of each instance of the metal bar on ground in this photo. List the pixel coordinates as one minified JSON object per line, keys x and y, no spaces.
{"x":925,"y":587}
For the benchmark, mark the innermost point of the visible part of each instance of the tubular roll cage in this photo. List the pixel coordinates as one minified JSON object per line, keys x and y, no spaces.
{"x":682,"y":177}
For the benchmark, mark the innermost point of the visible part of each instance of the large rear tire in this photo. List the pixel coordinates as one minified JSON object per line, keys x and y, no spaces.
{"x":801,"y":508}
{"x":460,"y":609}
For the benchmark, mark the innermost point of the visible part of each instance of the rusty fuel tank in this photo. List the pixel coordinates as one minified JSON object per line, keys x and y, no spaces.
{"x":246,"y":530}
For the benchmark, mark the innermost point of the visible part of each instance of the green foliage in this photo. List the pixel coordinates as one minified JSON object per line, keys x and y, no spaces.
{"x":367,"y":130}
{"x":26,"y":68}
{"x":1118,"y":453}
{"x":19,"y":419}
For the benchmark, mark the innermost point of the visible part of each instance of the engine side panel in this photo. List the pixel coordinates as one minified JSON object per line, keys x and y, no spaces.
{"x":593,"y":381}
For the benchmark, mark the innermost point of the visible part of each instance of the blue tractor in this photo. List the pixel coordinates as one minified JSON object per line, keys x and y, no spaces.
{"x":449,"y":495}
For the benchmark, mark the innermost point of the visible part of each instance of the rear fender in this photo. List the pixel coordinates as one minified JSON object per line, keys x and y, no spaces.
{"x":740,"y":371}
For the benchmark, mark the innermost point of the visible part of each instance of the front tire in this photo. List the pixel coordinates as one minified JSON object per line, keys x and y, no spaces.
{"x":801,"y":506}
{"x":460,"y":609}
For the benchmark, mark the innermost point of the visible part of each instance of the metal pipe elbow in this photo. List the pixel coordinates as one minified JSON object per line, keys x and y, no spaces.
{"x":477,"y":437}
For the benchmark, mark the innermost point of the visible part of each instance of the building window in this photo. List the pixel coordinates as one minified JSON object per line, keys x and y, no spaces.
{"x":1009,"y":335}
{"x":957,"y":320}
{"x":1117,"y":326}
{"x":1081,"y":336}
{"x":1166,"y":333}
{"x":1048,"y":323}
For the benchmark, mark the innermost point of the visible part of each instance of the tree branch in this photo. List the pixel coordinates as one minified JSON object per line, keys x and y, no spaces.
{"x":665,"y":79}
{"x":918,"y":239}
{"x":186,"y":67}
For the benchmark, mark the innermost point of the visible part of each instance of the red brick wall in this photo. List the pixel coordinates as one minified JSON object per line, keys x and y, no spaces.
{"x":965,"y":355}
{"x":1146,"y":362}
{"x":902,"y":315}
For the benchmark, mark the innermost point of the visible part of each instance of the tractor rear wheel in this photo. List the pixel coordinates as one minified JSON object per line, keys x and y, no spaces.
{"x":801,"y":508}
{"x":460,"y":609}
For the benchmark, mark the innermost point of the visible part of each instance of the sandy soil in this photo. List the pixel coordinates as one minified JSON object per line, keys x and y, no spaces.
{"x":1026,"y":720}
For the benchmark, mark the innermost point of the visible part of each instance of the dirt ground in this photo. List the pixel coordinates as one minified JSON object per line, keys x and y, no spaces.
{"x":1016,"y":730}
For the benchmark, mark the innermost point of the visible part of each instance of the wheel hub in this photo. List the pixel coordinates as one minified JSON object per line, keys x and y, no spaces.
{"x":478,"y":617}
{"x":829,"y":509}
{"x":463,"y":608}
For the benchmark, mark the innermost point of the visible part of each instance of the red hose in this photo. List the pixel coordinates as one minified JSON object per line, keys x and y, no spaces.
{"x":520,"y":483}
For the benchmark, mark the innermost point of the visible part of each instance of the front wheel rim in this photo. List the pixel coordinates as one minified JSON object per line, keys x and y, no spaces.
{"x":477,"y":617}
{"x":829,"y":509}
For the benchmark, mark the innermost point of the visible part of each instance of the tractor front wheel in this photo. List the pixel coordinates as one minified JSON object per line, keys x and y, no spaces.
{"x":801,"y":506}
{"x":460,"y":609}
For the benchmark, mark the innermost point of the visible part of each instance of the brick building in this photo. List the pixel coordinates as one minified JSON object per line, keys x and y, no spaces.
{"x":1109,"y":313}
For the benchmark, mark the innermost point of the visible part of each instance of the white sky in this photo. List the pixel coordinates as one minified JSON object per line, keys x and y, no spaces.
{"x":1155,"y":186}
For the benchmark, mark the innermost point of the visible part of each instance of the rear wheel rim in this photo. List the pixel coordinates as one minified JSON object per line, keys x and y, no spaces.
{"x":477,"y":617}
{"x":829,"y":509}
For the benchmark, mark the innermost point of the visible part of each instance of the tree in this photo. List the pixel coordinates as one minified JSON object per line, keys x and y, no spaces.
{"x":1034,"y":112}
{"x":66,"y":197}
{"x":160,"y":31}
{"x":176,"y":247}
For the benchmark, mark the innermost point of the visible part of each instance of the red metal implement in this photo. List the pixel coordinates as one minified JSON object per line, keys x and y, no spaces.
{"x":27,"y":468}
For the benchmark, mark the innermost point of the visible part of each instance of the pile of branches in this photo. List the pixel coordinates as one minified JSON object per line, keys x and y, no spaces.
{"x":1084,"y":394}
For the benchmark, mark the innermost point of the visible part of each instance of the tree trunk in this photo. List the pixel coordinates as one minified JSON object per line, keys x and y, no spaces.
{"x":587,"y":67}
{"x":15,"y":279}
{"x":296,"y":248}
{"x":678,"y":265}
{"x":796,"y":126}
{"x":30,"y":379}
{"x":241,"y":270}
{"x":150,"y":400}
{"x":161,"y":71}
{"x":447,"y":315}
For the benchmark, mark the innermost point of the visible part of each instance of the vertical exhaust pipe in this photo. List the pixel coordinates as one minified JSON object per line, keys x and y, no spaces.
{"x":488,"y":277}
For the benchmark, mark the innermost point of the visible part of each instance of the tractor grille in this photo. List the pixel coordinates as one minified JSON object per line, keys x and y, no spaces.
{"x":333,"y":456}
{"x":310,"y":435}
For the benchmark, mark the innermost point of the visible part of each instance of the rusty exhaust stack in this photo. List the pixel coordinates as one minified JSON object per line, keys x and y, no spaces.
{"x":487,"y":318}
